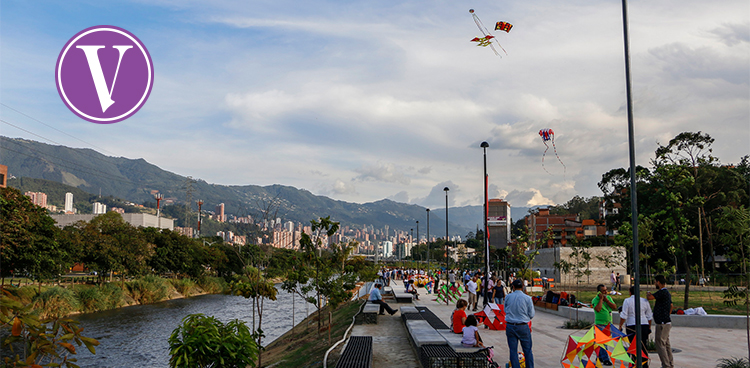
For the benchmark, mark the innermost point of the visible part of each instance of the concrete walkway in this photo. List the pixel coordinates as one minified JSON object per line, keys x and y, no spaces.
{"x":390,"y":345}
{"x":698,"y":347}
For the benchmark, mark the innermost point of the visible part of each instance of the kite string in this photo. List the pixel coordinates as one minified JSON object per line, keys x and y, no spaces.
{"x":486,"y":33}
{"x":565,"y":168}
{"x":544,"y":154}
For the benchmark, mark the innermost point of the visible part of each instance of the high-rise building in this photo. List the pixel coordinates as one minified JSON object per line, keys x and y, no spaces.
{"x":387,"y":249}
{"x":3,"y":176}
{"x":220,"y":213}
{"x":69,"y":203}
{"x":38,"y":198}
{"x":499,"y":223}
{"x":99,"y":208}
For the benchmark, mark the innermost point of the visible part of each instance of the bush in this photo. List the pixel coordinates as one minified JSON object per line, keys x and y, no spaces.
{"x":183,"y":286}
{"x":56,"y":302}
{"x":733,"y":362}
{"x":90,"y":298}
{"x":576,"y":324}
{"x":203,"y":341}
{"x":111,"y":296}
{"x":212,"y":285}
{"x":25,"y":294}
{"x":148,"y":289}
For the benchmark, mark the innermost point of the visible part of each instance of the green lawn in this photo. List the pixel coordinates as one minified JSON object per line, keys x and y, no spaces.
{"x":711,"y":301}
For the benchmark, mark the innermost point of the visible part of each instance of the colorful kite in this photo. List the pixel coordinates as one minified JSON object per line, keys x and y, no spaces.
{"x":503,"y":26}
{"x":487,"y":38}
{"x":582,"y":351}
{"x":549,"y":136}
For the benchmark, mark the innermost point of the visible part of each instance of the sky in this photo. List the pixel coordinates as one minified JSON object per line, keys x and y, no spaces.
{"x":365,"y":100}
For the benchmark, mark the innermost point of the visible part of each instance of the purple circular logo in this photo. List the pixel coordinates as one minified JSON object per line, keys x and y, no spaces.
{"x":104,"y":74}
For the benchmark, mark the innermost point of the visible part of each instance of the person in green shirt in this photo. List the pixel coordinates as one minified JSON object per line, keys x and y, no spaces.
{"x":603,"y":307}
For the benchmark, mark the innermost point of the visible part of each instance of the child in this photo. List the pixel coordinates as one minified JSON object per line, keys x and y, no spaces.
{"x":471,"y":333}
{"x":458,"y":317}
{"x":412,"y":290}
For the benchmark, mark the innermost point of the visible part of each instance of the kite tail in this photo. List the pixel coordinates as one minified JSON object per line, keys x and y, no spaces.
{"x":565,"y":169}
{"x":498,"y":43}
{"x":497,"y":53}
{"x":544,"y":154}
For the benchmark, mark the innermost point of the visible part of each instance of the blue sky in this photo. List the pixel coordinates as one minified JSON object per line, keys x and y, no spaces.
{"x":363,"y":100}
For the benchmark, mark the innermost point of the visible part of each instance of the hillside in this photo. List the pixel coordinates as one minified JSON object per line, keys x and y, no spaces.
{"x":135,"y":179}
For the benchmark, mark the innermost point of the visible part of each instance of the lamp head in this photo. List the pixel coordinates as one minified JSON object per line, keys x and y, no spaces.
{"x":484,"y":145}
{"x":446,"y":189}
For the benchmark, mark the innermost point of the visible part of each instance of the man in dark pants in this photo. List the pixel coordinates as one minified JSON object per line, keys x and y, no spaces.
{"x":663,"y":321}
{"x":376,"y":298}
{"x":627,"y":317}
{"x":519,"y":310}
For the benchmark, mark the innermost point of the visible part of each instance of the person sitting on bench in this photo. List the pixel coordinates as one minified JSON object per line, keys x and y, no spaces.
{"x":412,"y":290}
{"x":376,"y":298}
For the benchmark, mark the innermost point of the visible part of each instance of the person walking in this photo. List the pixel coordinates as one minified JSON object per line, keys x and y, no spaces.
{"x":498,"y":292}
{"x":452,"y":278}
{"x":627,"y":316}
{"x":618,"y":282}
{"x":471,"y":287}
{"x":377,"y":298}
{"x":613,"y":280}
{"x":519,"y":310}
{"x":663,"y":321}
{"x":603,"y":307}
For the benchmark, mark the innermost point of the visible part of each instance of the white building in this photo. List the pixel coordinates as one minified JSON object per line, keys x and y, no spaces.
{"x":99,"y":208}
{"x":387,"y":249}
{"x":68,"y":202}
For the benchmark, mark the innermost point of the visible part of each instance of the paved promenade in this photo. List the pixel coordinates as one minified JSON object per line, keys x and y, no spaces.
{"x":698,"y":347}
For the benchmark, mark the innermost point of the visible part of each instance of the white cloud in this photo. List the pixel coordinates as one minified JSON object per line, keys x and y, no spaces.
{"x":401,"y":196}
{"x":385,"y":172}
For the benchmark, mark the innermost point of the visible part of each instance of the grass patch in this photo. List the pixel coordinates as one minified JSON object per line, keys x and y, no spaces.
{"x":183,"y":286}
{"x":148,"y":289}
{"x":711,"y":301}
{"x":576,"y":324}
{"x":212,"y":285}
{"x":306,"y":347}
{"x":56,"y":302}
{"x":90,"y":298}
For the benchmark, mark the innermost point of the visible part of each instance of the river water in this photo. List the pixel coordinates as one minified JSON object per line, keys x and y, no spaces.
{"x":137,"y":336}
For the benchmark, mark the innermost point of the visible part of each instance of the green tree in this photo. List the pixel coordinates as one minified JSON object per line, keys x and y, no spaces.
{"x":204,"y":342}
{"x":252,"y":285}
{"x":734,"y":224}
{"x":28,"y":242}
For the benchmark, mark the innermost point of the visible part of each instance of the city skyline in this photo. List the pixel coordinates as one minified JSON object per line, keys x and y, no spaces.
{"x":362,"y":101}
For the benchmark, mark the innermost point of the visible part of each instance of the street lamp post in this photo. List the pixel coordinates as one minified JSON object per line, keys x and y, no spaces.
{"x":485,"y":282}
{"x":411,"y":240}
{"x":633,"y":191}
{"x":420,"y":253}
{"x":428,"y":239}
{"x":446,"y":189}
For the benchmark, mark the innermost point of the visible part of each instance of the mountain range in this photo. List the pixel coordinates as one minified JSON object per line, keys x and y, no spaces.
{"x":137,"y":180}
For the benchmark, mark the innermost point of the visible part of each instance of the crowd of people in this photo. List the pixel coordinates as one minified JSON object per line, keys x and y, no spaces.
{"x":519,"y":309}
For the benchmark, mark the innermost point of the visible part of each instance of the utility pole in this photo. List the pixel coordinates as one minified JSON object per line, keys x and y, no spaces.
{"x":485,"y":282}
{"x":200,"y":204}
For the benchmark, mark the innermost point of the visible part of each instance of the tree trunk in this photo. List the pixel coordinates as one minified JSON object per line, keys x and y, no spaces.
{"x":711,"y":245}
{"x":686,"y":304}
{"x":293,"y":316}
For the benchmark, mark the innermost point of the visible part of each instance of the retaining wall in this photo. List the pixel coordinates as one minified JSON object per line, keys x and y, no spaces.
{"x":709,"y":321}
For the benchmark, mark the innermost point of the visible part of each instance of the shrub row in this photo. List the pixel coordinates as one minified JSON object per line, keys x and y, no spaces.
{"x":60,"y":301}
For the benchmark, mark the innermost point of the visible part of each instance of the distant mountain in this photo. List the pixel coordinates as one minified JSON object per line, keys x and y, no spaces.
{"x":135,"y":180}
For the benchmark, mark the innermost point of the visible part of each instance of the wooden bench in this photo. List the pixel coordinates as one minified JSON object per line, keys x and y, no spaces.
{"x":357,"y":353}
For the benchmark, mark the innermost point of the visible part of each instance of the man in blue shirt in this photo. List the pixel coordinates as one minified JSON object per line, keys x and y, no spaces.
{"x":376,"y":298}
{"x":519,"y":310}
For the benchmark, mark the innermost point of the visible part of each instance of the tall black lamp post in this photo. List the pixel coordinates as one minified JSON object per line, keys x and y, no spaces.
{"x":633,"y":191}
{"x":486,"y":280}
{"x":428,"y":239}
{"x":446,"y":189}
{"x":420,"y":253}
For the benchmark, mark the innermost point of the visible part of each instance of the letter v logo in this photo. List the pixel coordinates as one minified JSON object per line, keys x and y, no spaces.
{"x":103,"y":59}
{"x":92,"y":56}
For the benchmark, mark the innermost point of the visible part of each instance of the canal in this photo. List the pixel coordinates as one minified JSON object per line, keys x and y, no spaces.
{"x":137,"y":336}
